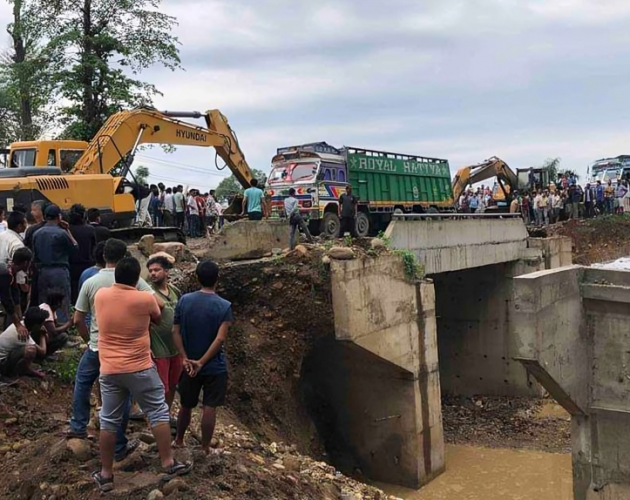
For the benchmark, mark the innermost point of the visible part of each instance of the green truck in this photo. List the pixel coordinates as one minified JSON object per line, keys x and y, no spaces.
{"x":385,"y":183}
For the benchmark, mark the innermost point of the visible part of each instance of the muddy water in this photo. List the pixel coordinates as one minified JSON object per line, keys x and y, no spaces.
{"x":496,"y":474}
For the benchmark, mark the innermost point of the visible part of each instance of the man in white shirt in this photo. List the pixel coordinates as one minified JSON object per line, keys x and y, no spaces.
{"x":10,"y":241}
{"x":169,"y":208}
{"x":194,"y":228}
{"x":16,"y":355}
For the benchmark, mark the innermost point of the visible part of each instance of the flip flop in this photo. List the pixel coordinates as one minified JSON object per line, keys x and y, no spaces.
{"x":177,"y":469}
{"x":104,"y":484}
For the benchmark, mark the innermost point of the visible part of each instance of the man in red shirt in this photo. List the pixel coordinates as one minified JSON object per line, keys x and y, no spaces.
{"x":124,"y":349}
{"x":201,"y":204}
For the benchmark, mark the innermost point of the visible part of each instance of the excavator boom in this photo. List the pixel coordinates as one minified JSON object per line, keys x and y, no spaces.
{"x":492,"y":167}
{"x":123,"y":132}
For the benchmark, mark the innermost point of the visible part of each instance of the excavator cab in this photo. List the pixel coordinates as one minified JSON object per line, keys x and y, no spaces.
{"x":62,"y":154}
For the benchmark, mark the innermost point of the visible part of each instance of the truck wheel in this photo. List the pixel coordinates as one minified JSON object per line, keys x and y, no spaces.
{"x":330,"y":225}
{"x":362,"y":227}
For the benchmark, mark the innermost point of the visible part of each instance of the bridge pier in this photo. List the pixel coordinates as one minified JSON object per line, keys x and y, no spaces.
{"x":571,"y":327}
{"x":382,"y":378}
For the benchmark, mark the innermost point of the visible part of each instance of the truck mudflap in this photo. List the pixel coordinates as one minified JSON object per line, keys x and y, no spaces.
{"x":162,"y":234}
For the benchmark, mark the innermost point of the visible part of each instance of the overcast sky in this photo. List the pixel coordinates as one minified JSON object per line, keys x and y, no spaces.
{"x":458,"y":79}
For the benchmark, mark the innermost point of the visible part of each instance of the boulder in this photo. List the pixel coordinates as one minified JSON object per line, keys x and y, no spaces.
{"x":80,"y":449}
{"x":167,"y":256}
{"x":146,"y":243}
{"x":173,"y":248}
{"x":341,"y":253}
{"x":174,"y":485}
{"x":155,"y":495}
{"x":377,"y":244}
{"x":301,"y":250}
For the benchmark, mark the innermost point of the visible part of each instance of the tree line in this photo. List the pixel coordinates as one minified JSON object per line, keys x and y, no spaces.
{"x":73,"y":63}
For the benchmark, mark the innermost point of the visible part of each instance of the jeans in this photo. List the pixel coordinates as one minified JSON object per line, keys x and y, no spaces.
{"x":254,"y":215}
{"x":87,"y":373}
{"x":180,"y":217}
{"x":194,"y":231}
{"x":297,"y":222}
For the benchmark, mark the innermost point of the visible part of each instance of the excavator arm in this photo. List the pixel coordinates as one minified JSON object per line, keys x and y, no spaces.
{"x":123,"y":132}
{"x":492,"y":167}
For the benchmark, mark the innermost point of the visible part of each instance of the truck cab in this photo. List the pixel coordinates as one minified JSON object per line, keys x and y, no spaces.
{"x":318,"y":172}
{"x":62,"y":154}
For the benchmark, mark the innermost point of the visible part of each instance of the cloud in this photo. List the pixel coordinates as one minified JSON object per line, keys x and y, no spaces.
{"x":457,"y":79}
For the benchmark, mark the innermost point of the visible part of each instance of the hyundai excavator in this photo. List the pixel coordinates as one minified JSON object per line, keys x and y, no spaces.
{"x":86,"y":178}
{"x":508,"y":181}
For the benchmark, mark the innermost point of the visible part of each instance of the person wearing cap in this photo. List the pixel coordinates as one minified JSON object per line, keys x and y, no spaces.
{"x":52,"y":246}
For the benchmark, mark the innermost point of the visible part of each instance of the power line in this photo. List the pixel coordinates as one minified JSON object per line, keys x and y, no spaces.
{"x":183,"y":166}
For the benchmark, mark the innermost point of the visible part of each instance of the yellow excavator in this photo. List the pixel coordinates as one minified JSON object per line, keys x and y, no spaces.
{"x":507,"y":179}
{"x":86,"y":178}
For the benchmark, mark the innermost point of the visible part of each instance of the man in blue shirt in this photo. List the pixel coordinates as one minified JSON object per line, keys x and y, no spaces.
{"x":200,"y":328}
{"x":53,"y":245}
{"x":253,"y":201}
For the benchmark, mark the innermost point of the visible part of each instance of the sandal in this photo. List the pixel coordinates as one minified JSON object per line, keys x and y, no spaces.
{"x":131,"y":447}
{"x":105,"y":484}
{"x":177,"y":469}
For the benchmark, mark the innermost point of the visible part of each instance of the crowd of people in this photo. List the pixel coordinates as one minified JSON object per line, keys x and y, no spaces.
{"x":558,"y":201}
{"x":196,"y":213}
{"x":145,"y":340}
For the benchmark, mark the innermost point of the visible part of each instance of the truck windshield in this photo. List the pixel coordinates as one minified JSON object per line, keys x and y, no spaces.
{"x":293,"y":172}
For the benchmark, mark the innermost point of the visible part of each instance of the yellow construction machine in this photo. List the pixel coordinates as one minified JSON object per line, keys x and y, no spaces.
{"x":508,"y":181}
{"x":85,"y":178}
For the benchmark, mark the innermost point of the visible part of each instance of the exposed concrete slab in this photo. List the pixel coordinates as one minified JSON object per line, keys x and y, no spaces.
{"x":572,"y":327}
{"x":450,"y":245}
{"x":396,"y":418}
{"x":244,"y":239}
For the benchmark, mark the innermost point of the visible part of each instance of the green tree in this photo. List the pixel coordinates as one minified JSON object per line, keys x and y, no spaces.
{"x":25,"y":76}
{"x":141,"y":174}
{"x":230,"y":186}
{"x":552,"y":166}
{"x":101,"y":47}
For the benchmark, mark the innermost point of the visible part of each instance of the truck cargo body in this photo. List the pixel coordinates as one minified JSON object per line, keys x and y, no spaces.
{"x":384,"y":183}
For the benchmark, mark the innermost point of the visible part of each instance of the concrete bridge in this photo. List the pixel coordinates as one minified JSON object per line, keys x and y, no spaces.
{"x":400,"y":342}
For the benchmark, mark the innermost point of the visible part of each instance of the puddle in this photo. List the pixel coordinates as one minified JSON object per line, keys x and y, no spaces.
{"x":496,"y":474}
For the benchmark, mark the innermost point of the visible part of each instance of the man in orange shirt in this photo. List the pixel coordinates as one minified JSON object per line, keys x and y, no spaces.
{"x":124,"y":315}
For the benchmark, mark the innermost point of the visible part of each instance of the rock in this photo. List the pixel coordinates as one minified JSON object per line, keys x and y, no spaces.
{"x":350,"y":495}
{"x":147,"y":438}
{"x":155,"y":495}
{"x":80,"y":448}
{"x":145,"y":245}
{"x":377,"y":244}
{"x":256,"y":458}
{"x":10,"y":421}
{"x":21,"y":445}
{"x":242,"y":469}
{"x":325,"y":260}
{"x":300,"y":249}
{"x":341,"y":253}
{"x":174,"y":485}
{"x":292,"y":464}
{"x":174,"y":248}
{"x":167,"y":256}
{"x":278,"y":466}
{"x":5,"y":449}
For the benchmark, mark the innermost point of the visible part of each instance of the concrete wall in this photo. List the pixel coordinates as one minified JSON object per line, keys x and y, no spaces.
{"x":393,"y":414}
{"x":572,"y":326}
{"x":244,"y":239}
{"x":449,"y":245}
{"x":557,"y":251}
{"x":476,"y":350}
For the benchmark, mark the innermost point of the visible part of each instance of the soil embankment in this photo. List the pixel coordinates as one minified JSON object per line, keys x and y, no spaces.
{"x":601,"y":239}
{"x":282,"y":307}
